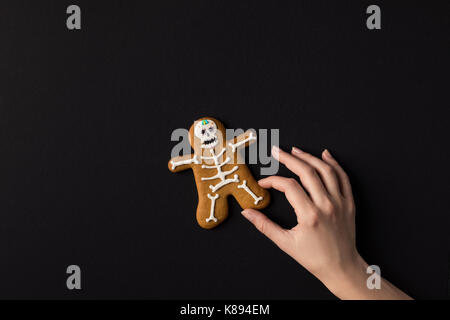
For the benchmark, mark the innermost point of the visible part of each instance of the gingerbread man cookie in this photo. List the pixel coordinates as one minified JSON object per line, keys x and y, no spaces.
{"x":219,"y":172}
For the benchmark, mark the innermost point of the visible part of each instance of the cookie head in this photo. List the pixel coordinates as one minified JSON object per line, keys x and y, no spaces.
{"x":206,"y":131}
{"x":206,"y":134}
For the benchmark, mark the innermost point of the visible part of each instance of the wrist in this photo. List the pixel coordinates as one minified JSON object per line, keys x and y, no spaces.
{"x":346,"y":281}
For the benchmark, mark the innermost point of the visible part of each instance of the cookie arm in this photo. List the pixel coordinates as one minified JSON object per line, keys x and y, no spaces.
{"x":177,"y":164}
{"x":243,"y":140}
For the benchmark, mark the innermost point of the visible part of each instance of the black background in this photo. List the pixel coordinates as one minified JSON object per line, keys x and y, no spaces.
{"x":86,"y":118}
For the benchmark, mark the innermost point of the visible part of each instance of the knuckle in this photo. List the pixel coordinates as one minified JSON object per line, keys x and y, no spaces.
{"x":315,"y":212}
{"x":328,"y":170}
{"x":343,"y":174}
{"x":328,"y":207}
{"x":309,"y":171}
{"x":352,"y":212}
{"x":291,"y":182}
{"x":262,"y":226}
{"x":351,"y":207}
{"x":313,"y":220}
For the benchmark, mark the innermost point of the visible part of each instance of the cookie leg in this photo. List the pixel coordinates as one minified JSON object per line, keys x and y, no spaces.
{"x":212,"y":210}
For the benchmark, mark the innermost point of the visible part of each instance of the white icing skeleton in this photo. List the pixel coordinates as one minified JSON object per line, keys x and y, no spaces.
{"x":244,"y":186}
{"x":240,"y":143}
{"x":181,"y":162}
{"x":220,"y":174}
{"x":213,"y":204}
{"x":206,"y":131}
{"x":210,"y":155}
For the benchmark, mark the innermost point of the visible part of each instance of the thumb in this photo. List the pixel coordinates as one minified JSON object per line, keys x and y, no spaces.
{"x":267,"y":227}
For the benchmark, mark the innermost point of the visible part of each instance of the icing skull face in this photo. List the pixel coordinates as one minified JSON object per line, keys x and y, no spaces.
{"x":206,"y":131}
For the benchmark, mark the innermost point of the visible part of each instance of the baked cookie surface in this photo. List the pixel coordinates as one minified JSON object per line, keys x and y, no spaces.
{"x":219,"y":172}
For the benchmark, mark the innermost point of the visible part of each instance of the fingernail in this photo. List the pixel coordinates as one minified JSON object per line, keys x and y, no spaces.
{"x":247,"y":215}
{"x":327,"y":153}
{"x":297,"y":150}
{"x":276,"y":152}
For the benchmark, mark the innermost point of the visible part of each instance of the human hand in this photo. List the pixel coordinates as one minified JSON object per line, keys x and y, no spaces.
{"x":323,"y":241}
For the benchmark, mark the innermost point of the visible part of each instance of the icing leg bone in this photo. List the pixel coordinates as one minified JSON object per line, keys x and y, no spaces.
{"x":250,"y":192}
{"x":188,"y":161}
{"x":238,"y":144}
{"x":213,"y":204}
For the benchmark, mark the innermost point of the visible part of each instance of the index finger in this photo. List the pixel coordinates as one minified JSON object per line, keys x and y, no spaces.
{"x":307,"y":174}
{"x":294,"y":193}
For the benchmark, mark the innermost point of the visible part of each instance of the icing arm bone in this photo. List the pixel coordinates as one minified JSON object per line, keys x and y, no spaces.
{"x":182,"y":163}
{"x":241,"y":141}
